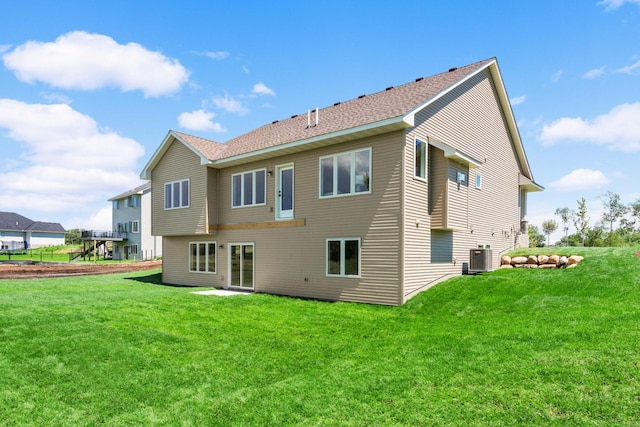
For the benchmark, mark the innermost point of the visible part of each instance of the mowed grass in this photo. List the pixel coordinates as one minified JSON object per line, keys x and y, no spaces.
{"x":512,"y":347}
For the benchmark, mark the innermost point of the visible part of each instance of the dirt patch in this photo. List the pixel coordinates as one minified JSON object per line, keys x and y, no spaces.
{"x":15,"y":271}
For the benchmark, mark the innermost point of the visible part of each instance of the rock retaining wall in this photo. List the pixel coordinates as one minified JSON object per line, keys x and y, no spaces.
{"x":540,"y":261}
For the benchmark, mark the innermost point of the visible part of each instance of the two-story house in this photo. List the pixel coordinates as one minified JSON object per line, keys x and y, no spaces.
{"x":131,"y":217}
{"x":371,"y":200}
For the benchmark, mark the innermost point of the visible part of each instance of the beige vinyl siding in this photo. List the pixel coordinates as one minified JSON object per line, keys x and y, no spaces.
{"x":438,"y":188}
{"x":469,"y":119}
{"x":292,"y":261}
{"x":179,"y":163}
{"x":457,"y":198}
{"x":175,"y":262}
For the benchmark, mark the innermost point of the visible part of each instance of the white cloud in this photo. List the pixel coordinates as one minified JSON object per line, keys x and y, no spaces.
{"x":230,"y":104}
{"x":630,"y":69}
{"x":4,"y":47}
{"x":556,"y":76}
{"x":245,"y":69}
{"x":69,"y":162}
{"x":581,"y":179}
{"x":56,"y":98}
{"x":595,"y":73}
{"x":82,"y":61}
{"x":518,"y":100}
{"x":261,"y":89}
{"x":619,"y":129}
{"x":199,"y":120}
{"x":615,"y":4}
{"x":100,"y":220}
{"x":214,"y":55}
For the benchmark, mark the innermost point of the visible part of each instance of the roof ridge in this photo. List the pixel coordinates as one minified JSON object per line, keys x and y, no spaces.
{"x":277,"y":132}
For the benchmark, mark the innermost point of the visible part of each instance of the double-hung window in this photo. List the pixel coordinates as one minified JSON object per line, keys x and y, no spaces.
{"x":202,"y":257}
{"x":343,"y":257}
{"x":135,"y":226}
{"x":248,"y":188}
{"x":420,"y":159}
{"x":345,"y":174}
{"x":176,"y":194}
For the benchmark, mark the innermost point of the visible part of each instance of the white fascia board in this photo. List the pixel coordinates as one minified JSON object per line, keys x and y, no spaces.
{"x":404,"y":121}
{"x":528,"y":184}
{"x":447,"y":90}
{"x":510,"y":118}
{"x":164,"y":146}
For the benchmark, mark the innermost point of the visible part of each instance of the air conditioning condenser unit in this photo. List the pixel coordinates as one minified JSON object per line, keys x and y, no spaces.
{"x":480,"y":260}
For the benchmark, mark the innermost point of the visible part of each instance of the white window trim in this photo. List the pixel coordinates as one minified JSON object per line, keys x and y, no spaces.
{"x":215,"y":257}
{"x":342,"y":263}
{"x":424,"y":159}
{"x":188,"y":195}
{"x":253,"y":198}
{"x":353,"y":174}
{"x":135,"y":226}
{"x":478,"y":181}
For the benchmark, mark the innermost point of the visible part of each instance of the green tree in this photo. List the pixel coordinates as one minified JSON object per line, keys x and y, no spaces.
{"x":581,"y":220}
{"x":536,"y":238}
{"x":565,"y":215}
{"x":613,"y":209}
{"x":548,"y":227}
{"x":73,"y":237}
{"x":595,"y":236}
{"x":634,"y":210}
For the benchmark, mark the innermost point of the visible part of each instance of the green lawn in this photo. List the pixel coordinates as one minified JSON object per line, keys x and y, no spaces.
{"x":512,"y":347}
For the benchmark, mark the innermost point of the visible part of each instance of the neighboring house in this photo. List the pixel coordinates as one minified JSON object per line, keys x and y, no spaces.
{"x":131,"y":217}
{"x":370,"y":200}
{"x":18,"y":232}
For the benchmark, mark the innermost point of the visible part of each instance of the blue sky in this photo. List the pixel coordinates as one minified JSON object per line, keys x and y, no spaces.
{"x":88,"y":90}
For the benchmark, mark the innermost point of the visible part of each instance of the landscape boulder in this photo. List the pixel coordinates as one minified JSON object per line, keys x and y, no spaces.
{"x":540,"y":261}
{"x":518,"y":260}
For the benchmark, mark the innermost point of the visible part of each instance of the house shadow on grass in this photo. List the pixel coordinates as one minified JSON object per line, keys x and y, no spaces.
{"x":156,"y":279}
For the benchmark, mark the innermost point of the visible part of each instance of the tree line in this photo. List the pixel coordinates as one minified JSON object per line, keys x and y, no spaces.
{"x":618,"y":226}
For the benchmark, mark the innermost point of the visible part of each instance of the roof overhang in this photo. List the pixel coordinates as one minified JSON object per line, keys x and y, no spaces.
{"x":370,"y":129}
{"x":453,"y":154}
{"x":505,"y":104}
{"x":164,"y":146}
{"x":527,"y":184}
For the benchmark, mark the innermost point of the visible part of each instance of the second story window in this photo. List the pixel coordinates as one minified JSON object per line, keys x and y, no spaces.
{"x":176,"y":194}
{"x":248,"y":188}
{"x":135,"y":201}
{"x":345,"y":173}
{"x":135,"y":226}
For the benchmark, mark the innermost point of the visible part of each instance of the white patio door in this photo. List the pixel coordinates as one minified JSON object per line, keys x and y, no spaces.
{"x":284,"y":195}
{"x":241,"y":265}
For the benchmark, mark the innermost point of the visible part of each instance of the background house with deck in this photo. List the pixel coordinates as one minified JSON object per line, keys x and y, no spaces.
{"x":371,"y":200}
{"x":131,"y":218}
{"x":19,"y":233}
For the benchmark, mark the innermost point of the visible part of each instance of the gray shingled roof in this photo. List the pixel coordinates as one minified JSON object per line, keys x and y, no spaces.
{"x":11,"y":221}
{"x":379,"y":106}
{"x":138,"y":190}
{"x":391,"y":109}
{"x":389,"y":103}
